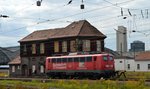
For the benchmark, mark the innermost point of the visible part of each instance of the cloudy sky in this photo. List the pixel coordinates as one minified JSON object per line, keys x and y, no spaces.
{"x":25,"y":17}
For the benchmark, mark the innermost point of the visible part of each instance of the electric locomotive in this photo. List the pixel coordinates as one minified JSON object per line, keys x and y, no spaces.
{"x":80,"y":66}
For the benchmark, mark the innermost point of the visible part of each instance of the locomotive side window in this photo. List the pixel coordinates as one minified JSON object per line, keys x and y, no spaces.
{"x":88,"y":59}
{"x":70,"y":59}
{"x":58,"y":60}
{"x":64,"y":60}
{"x":82,"y":59}
{"x":54,"y":60}
{"x":105,"y":58}
{"x":76,"y":59}
{"x":111,"y":58}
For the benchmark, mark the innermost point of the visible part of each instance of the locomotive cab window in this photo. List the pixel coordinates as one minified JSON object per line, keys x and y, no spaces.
{"x":105,"y":58}
{"x":111,"y":58}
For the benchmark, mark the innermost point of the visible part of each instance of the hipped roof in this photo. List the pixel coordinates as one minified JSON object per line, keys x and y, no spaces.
{"x":79,"y":28}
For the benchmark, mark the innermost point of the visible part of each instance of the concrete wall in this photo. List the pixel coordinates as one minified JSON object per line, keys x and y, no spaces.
{"x":143,"y":65}
{"x":122,"y":64}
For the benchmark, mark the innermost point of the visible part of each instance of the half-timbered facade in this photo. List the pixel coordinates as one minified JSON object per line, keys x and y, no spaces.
{"x":79,"y":36}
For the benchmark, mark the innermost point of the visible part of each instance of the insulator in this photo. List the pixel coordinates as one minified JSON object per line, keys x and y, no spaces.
{"x":82,"y":6}
{"x":124,"y":17}
{"x":38,"y":3}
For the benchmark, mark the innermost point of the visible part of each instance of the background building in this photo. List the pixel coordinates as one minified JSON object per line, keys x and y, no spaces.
{"x":142,"y":61}
{"x":137,"y":46}
{"x":121,"y":40}
{"x":7,"y":54}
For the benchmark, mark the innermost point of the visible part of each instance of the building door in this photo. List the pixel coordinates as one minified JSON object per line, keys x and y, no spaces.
{"x":24,"y":70}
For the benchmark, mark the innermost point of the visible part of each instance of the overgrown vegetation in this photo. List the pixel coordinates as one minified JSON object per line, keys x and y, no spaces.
{"x":81,"y":84}
{"x":74,"y":84}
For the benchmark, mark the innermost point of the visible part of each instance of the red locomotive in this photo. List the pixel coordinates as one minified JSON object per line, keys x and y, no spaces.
{"x":80,"y":66}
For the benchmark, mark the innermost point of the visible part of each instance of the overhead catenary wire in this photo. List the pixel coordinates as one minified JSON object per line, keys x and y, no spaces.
{"x":64,"y":17}
{"x":41,"y":23}
{"x":73,"y":14}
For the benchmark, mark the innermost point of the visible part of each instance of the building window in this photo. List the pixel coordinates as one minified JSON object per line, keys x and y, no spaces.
{"x":138,"y":66}
{"x":72,"y":46}
{"x":42,"y":69}
{"x":18,"y":67}
{"x":98,"y":43}
{"x":42,"y":48}
{"x":33,"y":69}
{"x":13,"y":68}
{"x":120,"y":61}
{"x":33,"y":48}
{"x":56,"y":46}
{"x":128,"y":66}
{"x":24,"y":48}
{"x":148,"y":66}
{"x":64,"y":46}
{"x":93,"y":45}
{"x":86,"y":45}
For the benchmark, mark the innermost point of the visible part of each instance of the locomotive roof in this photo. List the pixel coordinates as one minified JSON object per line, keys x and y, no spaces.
{"x":68,"y":56}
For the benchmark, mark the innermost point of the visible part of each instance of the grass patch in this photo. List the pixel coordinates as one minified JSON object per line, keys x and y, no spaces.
{"x":75,"y":84}
{"x":137,"y":75}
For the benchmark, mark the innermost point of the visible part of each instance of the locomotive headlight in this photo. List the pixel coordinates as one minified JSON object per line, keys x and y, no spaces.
{"x":107,"y":66}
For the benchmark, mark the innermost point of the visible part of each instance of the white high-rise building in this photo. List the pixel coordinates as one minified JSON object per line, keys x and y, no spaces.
{"x":121,"y":40}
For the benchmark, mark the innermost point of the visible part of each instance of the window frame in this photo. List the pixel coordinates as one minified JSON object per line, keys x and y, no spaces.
{"x":138,"y":66}
{"x":33,"y":48}
{"x":148,"y":66}
{"x":13,"y":69}
{"x":128,"y":66}
{"x":42,"y":48}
